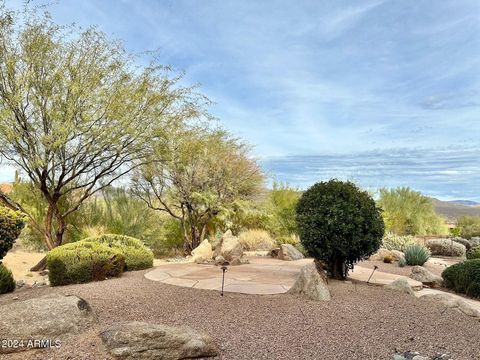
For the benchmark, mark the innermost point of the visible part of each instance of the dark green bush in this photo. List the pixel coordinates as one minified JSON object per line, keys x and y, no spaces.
{"x":137,"y":256}
{"x":339,"y":225}
{"x":473,"y":253}
{"x":83,"y":262}
{"x":464,"y":277}
{"x":11,"y":225}
{"x":416,"y":255}
{"x":7,"y":284}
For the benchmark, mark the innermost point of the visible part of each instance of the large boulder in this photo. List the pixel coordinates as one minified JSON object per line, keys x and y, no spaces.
{"x":289,"y":252}
{"x":229,"y":247}
{"x":203,"y":252}
{"x":421,"y":274}
{"x":402,"y":285}
{"x":454,"y":303}
{"x":48,"y":317}
{"x":311,"y":284}
{"x":145,"y":341}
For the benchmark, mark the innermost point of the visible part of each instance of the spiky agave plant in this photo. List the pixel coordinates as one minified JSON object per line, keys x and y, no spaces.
{"x":416,"y":254}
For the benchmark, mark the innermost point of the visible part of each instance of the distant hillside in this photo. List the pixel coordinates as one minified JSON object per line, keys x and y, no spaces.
{"x":452,"y":210}
{"x":465,"y":202}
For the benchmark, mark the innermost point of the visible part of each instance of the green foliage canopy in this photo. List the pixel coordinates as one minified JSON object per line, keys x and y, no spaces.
{"x":339,"y":224}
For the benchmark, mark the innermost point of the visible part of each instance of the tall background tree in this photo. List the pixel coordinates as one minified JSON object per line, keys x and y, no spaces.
{"x":76,"y":113}
{"x":207,"y":172}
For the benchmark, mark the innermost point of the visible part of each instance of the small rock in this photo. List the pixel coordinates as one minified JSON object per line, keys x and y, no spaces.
{"x":274,"y":253}
{"x":43,"y":272}
{"x":421,"y":274}
{"x":289,"y":253}
{"x":202,"y":252}
{"x":418,"y":357}
{"x":46,"y":317}
{"x":311,"y":284}
{"x":401,"y":284}
{"x":220,"y":260}
{"x":20,"y":284}
{"x":144,"y":341}
{"x":454,"y":303}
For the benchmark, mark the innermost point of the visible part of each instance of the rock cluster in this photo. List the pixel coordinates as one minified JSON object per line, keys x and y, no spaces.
{"x":413,"y":355}
{"x":229,"y":251}
{"x":454,"y":303}
{"x":286,"y":252}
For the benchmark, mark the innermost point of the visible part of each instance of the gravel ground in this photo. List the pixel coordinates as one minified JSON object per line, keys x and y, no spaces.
{"x":360,"y":322}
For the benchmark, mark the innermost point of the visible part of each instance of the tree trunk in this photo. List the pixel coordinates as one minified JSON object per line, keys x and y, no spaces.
{"x":337,"y":268}
{"x":41,"y":265}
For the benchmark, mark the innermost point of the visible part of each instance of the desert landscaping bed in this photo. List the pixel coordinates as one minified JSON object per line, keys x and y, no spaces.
{"x":361,"y":321}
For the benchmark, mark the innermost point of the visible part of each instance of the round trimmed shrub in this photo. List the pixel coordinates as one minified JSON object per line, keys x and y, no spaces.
{"x":82,"y":262}
{"x":416,"y":255}
{"x":464,"y":277}
{"x":137,"y":255}
{"x":393,"y":241}
{"x":446,"y":247}
{"x":339,"y":224}
{"x":473,"y":253}
{"x":7,"y":283}
{"x":11,"y":225}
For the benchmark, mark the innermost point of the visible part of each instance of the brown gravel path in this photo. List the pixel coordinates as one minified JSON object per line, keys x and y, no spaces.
{"x":360,"y":322}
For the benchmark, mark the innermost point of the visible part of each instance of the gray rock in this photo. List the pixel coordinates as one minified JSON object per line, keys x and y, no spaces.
{"x":311,"y":284}
{"x":274,"y":253}
{"x":47,"y":317}
{"x":419,"y":357}
{"x":144,"y":341}
{"x":220,"y":260}
{"x":421,"y":274}
{"x":454,"y":303}
{"x":288,"y":252}
{"x":402,"y":285}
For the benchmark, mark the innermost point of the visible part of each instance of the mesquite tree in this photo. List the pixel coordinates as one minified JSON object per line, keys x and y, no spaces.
{"x":206,"y":172}
{"x":76,"y":113}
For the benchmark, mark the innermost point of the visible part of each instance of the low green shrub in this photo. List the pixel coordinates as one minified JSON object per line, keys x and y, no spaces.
{"x":402,"y":262}
{"x":416,"y":255}
{"x":7,"y":283}
{"x":392,"y":241}
{"x":473,"y":253}
{"x":11,"y":225}
{"x":82,"y":262}
{"x":137,"y":256}
{"x":446,"y":247}
{"x":464,"y":277}
{"x":256,"y":239}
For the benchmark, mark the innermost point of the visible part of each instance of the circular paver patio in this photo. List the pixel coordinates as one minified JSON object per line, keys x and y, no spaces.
{"x":263,"y":275}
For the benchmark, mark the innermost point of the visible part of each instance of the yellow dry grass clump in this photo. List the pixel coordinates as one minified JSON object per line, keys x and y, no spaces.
{"x":256,"y":240}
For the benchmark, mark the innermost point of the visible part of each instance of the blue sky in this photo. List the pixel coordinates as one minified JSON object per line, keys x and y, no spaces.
{"x":385,"y":93}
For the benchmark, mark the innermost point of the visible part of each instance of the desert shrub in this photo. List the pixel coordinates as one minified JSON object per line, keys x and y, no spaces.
{"x":469,"y":226}
{"x":137,"y":256}
{"x":402,"y":262}
{"x":339,"y":224}
{"x":169,"y":240}
{"x":288,"y":239}
{"x":473,"y":253}
{"x":463,"y":241}
{"x":464,"y":277}
{"x":446,"y":247}
{"x":82,"y":262}
{"x":11,"y":225}
{"x":408,"y":212}
{"x":256,"y":240}
{"x":388,"y":259}
{"x":7,"y":284}
{"x":416,"y":255}
{"x":392,"y":241}
{"x":474,"y":241}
